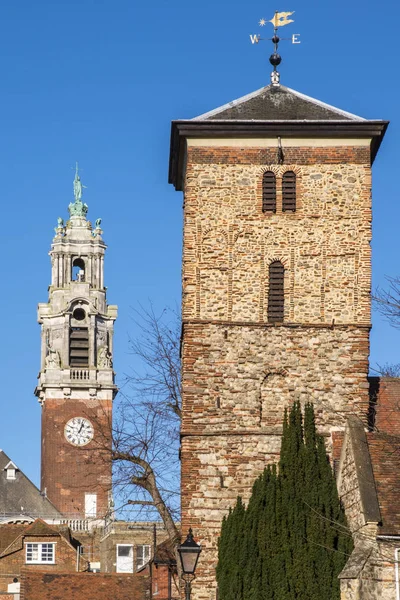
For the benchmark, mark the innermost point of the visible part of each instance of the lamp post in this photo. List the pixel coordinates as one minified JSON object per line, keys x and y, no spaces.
{"x":189,"y":553}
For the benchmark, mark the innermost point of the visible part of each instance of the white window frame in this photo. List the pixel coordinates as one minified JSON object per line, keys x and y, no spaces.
{"x":146,"y":550}
{"x":130,"y":546}
{"x":11,"y":473}
{"x":42,"y":550}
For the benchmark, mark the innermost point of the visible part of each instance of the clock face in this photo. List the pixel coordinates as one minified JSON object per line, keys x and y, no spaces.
{"x":79,"y":431}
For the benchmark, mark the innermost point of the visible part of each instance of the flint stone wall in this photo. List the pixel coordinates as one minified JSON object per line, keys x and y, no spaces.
{"x":239,"y":372}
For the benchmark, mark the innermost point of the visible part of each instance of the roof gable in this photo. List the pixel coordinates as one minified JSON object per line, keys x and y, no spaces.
{"x":272,"y":103}
{"x":19,"y":496}
{"x":16,"y":535}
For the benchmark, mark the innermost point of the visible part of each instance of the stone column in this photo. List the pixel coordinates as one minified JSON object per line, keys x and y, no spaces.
{"x":53,"y":270}
{"x":89,"y":271}
{"x":68,"y":278}
{"x":57,"y":265}
{"x":101,"y":272}
{"x":92,"y":341}
{"x":60,"y":271}
{"x":98,"y":269}
{"x":44,"y":349}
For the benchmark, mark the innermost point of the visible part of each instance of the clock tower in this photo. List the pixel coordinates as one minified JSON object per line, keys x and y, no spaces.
{"x":76,"y":381}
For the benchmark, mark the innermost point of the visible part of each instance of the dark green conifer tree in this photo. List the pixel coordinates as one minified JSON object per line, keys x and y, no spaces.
{"x":291,"y":541}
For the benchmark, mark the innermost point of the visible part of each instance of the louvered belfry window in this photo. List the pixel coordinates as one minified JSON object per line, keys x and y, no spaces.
{"x":289,"y":191}
{"x":276,"y":291}
{"x":79,"y":347}
{"x":269,"y":192}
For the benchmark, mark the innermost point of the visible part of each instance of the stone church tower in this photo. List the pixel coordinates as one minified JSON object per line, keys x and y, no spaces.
{"x":276,"y":288}
{"x":76,"y":380}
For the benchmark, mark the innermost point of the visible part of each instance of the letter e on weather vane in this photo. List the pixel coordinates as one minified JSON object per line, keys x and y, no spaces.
{"x":280,"y":19}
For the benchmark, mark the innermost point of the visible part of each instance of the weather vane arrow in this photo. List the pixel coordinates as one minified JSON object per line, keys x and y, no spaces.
{"x":278,"y":20}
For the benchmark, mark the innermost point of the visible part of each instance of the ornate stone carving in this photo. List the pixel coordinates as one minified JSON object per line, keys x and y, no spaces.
{"x":104,"y":358}
{"x":52,"y":360}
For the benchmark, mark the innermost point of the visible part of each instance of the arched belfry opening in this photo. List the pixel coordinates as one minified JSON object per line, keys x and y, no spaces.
{"x":78,"y":269}
{"x":276,"y":292}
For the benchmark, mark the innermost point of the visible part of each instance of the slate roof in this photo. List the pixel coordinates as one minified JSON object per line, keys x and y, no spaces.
{"x":9,"y":533}
{"x":20,"y":496}
{"x":384,"y":450}
{"x":270,"y":112}
{"x":277,"y":103}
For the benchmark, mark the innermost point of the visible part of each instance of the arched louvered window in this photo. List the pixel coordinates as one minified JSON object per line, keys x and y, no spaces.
{"x":269,"y":192}
{"x":275,"y":295}
{"x":289,"y":191}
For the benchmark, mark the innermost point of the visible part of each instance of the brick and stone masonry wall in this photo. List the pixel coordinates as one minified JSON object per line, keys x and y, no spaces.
{"x":91,"y":586}
{"x":239,"y":372}
{"x":68,"y":472}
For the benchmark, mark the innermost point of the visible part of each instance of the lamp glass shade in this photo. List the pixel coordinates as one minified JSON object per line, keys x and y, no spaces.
{"x":189,"y":553}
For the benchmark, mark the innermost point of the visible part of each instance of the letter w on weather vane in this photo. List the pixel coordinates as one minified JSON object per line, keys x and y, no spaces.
{"x":278,"y":20}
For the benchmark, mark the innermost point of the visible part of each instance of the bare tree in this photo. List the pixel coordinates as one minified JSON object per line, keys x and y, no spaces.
{"x":146,"y":424}
{"x":387,"y":301}
{"x":388,"y":369}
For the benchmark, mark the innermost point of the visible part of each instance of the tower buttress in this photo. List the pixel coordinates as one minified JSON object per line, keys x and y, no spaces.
{"x":76,"y":384}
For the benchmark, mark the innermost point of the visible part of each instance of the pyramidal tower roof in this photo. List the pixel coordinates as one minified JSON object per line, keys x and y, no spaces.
{"x":274,"y":111}
{"x":272,"y":103}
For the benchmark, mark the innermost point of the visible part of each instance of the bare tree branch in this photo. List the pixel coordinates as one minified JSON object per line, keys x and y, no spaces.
{"x":387,"y":302}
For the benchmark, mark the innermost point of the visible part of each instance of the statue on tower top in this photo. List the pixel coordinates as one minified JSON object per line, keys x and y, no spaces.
{"x":78,"y":208}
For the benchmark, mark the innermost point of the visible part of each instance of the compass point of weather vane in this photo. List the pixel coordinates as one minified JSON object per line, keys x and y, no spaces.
{"x":280,"y":19}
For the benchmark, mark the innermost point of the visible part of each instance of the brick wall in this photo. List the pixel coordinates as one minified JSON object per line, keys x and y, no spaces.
{"x":165,"y":582}
{"x":14,"y":563}
{"x":91,"y":586}
{"x":239,"y":372}
{"x":387,"y":405}
{"x":68,"y":472}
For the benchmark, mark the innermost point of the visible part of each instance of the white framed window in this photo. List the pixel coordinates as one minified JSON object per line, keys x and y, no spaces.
{"x":143,"y":553}
{"x":124,"y":558}
{"x":90,"y":505}
{"x":40,"y":553}
{"x":11,"y":473}
{"x":10,"y":469}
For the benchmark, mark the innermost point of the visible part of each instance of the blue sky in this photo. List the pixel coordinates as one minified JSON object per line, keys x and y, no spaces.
{"x":99,"y":81}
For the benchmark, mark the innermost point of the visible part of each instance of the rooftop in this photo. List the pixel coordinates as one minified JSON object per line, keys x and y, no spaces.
{"x":272,"y":103}
{"x":19,"y":497}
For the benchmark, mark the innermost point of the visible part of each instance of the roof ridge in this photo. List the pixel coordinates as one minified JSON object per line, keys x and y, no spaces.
{"x":326,"y":105}
{"x":269,"y":91}
{"x":231,"y":104}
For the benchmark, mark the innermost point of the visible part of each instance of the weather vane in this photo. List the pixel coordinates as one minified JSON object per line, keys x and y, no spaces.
{"x":279,"y":20}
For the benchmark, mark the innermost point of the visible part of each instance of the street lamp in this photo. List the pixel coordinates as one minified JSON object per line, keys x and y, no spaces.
{"x":189,"y":553}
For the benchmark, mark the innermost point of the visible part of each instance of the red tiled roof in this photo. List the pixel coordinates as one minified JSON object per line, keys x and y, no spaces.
{"x":384,"y":451}
{"x":8,"y":533}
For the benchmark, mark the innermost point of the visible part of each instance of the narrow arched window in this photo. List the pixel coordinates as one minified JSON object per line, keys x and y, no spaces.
{"x":269,"y":192}
{"x":289,"y":191}
{"x":276,"y":292}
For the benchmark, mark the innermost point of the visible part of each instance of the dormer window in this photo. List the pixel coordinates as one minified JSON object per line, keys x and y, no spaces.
{"x":78,"y":269}
{"x":11,"y":470}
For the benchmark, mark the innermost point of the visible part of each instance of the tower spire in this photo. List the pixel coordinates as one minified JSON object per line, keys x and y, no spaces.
{"x":78,"y":208}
